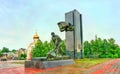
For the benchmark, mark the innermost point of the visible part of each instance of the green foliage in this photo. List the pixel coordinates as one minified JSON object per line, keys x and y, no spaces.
{"x":87,"y":63}
{"x":5,"y":49}
{"x":38,"y":49}
{"x":1,"y":53}
{"x":102,"y":48}
{"x":23,"y":56}
{"x":42,"y":48}
{"x":63,"y":47}
{"x":13,"y":50}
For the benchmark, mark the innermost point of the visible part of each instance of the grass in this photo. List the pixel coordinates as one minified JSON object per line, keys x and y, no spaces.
{"x":87,"y":63}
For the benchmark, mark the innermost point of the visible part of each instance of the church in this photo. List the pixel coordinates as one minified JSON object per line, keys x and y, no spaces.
{"x":31,"y":46}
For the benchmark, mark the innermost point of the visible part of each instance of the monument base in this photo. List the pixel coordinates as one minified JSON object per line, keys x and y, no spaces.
{"x":47,"y":64}
{"x":78,"y":55}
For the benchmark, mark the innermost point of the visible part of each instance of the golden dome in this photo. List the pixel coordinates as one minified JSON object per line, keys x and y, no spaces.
{"x":36,"y":36}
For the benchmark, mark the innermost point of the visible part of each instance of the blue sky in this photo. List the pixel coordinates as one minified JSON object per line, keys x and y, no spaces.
{"x":20,"y":19}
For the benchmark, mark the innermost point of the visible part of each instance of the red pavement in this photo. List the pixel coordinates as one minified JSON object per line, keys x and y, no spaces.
{"x":109,"y":67}
{"x":22,"y":70}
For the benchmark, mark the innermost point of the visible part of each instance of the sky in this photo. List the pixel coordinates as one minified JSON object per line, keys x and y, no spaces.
{"x":20,"y":19}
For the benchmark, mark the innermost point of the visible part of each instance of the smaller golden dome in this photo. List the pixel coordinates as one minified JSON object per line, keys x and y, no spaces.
{"x":36,"y":36}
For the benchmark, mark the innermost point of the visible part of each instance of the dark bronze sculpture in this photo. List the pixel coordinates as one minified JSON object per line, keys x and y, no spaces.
{"x":63,"y":26}
{"x":56,"y":52}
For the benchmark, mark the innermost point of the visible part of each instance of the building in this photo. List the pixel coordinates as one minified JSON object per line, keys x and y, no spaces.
{"x":31,"y":45}
{"x":21,"y":51}
{"x":36,"y":38}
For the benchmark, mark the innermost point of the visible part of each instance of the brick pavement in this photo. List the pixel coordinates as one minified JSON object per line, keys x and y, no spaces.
{"x":110,"y":67}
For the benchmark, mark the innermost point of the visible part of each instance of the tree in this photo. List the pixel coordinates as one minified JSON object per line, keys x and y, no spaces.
{"x":104,"y":48}
{"x":1,"y":53}
{"x":63,"y":47}
{"x":13,"y":50}
{"x":38,"y":49}
{"x":87,"y":50}
{"x":42,"y":48}
{"x":5,"y":49}
{"x":23,"y":56}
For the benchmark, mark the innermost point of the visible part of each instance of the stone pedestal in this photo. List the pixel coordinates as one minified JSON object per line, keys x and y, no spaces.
{"x":47,"y":64}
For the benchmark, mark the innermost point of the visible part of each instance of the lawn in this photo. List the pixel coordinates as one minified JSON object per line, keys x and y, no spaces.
{"x":87,"y":63}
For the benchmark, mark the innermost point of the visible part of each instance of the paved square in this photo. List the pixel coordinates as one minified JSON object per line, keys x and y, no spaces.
{"x":110,"y":67}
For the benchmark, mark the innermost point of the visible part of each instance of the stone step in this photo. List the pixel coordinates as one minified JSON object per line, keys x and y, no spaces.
{"x":47,"y":64}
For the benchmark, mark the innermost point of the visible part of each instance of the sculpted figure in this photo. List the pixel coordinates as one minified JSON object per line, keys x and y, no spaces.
{"x":63,"y":26}
{"x":57,"y":50}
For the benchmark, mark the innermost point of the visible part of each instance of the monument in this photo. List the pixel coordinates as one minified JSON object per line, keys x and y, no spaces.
{"x":54,"y":58}
{"x":74,"y":44}
{"x":73,"y":33}
{"x":57,"y":51}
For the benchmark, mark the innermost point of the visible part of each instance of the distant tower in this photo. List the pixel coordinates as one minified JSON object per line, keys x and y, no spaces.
{"x":36,"y":38}
{"x":96,"y":37}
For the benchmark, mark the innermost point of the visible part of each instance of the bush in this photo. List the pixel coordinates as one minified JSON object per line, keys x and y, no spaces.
{"x":102,"y":47}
